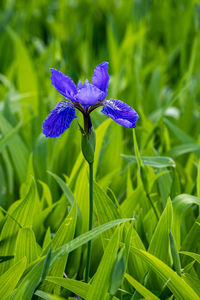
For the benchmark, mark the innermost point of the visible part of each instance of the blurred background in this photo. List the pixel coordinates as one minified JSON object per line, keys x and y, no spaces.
{"x":154,"y":64}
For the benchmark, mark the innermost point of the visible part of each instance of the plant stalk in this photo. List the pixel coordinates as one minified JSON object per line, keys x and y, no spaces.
{"x":87,"y":272}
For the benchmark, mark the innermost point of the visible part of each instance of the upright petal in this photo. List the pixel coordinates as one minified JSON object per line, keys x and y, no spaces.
{"x":63,"y":84}
{"x":80,"y":85}
{"x":59,"y":119}
{"x":120,"y":112}
{"x":88,"y":94}
{"x":101,"y":78}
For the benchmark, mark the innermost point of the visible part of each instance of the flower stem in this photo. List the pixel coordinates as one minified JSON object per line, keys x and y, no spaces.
{"x":87,"y":272}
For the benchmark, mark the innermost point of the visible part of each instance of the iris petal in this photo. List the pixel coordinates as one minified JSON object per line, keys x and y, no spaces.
{"x":120,"y":112}
{"x":63,"y":84}
{"x":80,"y":85}
{"x":59,"y":119}
{"x":88,"y":94}
{"x":101,"y":78}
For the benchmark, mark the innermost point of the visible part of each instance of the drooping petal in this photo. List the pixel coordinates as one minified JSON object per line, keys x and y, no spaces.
{"x":59,"y":119}
{"x":88,"y":94}
{"x":63,"y":84}
{"x":101,"y":78}
{"x":120,"y":112}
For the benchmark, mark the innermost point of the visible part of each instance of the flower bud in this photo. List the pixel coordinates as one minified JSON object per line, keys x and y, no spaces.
{"x":88,"y":142}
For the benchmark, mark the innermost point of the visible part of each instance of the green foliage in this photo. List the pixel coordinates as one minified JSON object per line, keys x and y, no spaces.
{"x":145,"y":237}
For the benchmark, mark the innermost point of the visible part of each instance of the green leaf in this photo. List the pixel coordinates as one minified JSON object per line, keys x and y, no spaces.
{"x":100,"y":133}
{"x":47,"y":296}
{"x":176,"y":284}
{"x":105,"y":210}
{"x":191,"y":254}
{"x":140,"y":288}
{"x":32,"y":279}
{"x":10,"y":278}
{"x":159,"y":245}
{"x":23,"y":215}
{"x":26,"y":245}
{"x":64,"y":234}
{"x":46,"y":198}
{"x":180,"y":205}
{"x":101,"y":280}
{"x":136,"y":267}
{"x":82,"y":195}
{"x":152,"y":161}
{"x":175,"y":255}
{"x":20,"y":155}
{"x":64,"y":186}
{"x":78,"y":287}
{"x":4,"y":141}
{"x":27,"y":81}
{"x":180,"y":134}
{"x":47,"y":239}
{"x":84,"y":238}
{"x":183,"y":149}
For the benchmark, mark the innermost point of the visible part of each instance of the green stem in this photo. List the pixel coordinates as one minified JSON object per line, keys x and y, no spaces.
{"x":87,"y":272}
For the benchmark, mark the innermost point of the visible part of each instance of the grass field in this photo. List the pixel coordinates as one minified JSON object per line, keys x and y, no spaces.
{"x":146,"y":236}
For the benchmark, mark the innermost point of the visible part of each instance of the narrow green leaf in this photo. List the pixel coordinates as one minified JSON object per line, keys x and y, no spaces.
{"x":32,"y":279}
{"x":136,"y":267}
{"x":180,"y":134}
{"x":64,"y":234}
{"x":180,"y":205}
{"x":101,"y":280}
{"x":140,"y":288}
{"x":176,"y":284}
{"x":84,"y":238}
{"x":26,"y":245}
{"x":191,"y":254}
{"x":47,"y":296}
{"x":183,"y":149}
{"x":105,"y":210}
{"x":152,"y":161}
{"x":10,"y":278}
{"x":175,"y":255}
{"x":78,"y":287}
{"x":23,"y":214}
{"x":20,"y":155}
{"x":159,"y":245}
{"x":64,"y":186}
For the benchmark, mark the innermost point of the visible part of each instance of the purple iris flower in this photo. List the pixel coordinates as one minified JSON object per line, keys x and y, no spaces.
{"x":85,"y":98}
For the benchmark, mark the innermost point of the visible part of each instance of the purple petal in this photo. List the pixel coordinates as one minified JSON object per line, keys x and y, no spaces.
{"x":120,"y":112}
{"x":63,"y":84}
{"x":88,"y":94}
{"x":59,"y":119}
{"x":80,"y":85}
{"x":101,"y":78}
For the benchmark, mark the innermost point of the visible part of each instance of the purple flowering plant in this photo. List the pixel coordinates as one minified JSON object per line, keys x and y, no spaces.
{"x":86,"y":98}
